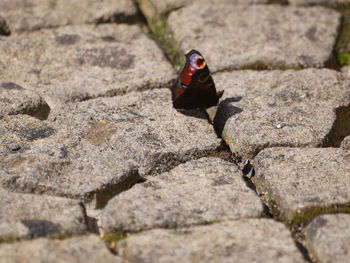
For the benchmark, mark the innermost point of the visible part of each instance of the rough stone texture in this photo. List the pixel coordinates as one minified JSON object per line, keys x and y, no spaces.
{"x":83,"y":249}
{"x":303,"y":181}
{"x":20,"y":133}
{"x":95,"y":149}
{"x":14,"y":99}
{"x":346,"y":71}
{"x":153,"y":9}
{"x":282,"y":108}
{"x":30,"y":15}
{"x":328,"y":237}
{"x":75,"y":63}
{"x":318,"y":2}
{"x":345,"y":144}
{"x":30,"y":216}
{"x":197,"y":192}
{"x":257,"y":36}
{"x":248,"y":240}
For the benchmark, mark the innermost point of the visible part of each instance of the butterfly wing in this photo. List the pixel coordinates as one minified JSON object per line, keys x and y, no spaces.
{"x":195,"y":87}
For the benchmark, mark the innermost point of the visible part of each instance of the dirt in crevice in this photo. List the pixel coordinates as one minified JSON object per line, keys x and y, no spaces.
{"x":164,"y":163}
{"x":111,"y":190}
{"x":299,"y":243}
{"x":157,"y":30}
{"x":168,"y":161}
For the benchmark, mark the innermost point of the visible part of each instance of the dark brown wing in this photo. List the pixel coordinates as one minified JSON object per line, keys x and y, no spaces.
{"x":195,"y":87}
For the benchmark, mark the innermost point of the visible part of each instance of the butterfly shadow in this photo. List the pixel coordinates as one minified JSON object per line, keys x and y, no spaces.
{"x":225,"y":111}
{"x":196,"y":113}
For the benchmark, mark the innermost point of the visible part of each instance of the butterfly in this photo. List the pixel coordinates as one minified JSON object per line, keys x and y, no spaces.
{"x":195,"y":87}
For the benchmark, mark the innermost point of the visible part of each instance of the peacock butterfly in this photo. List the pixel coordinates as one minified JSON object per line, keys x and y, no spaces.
{"x":195,"y":87}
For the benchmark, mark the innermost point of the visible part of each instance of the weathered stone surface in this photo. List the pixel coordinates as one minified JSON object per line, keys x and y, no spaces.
{"x":84,"y":249}
{"x":155,"y":9}
{"x":14,"y":99}
{"x":290,"y":108}
{"x":197,"y":192}
{"x":30,"y":216}
{"x":345,"y":144}
{"x":256,"y":36}
{"x":303,"y":181}
{"x":75,"y":63}
{"x":31,"y":15}
{"x":328,"y":237}
{"x":346,"y":71}
{"x":318,"y":2}
{"x":19,"y":133}
{"x":247,"y":240}
{"x":95,"y":149}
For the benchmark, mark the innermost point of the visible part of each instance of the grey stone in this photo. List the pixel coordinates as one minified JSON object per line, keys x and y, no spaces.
{"x":197,"y":192}
{"x":76,"y":63}
{"x":14,"y":99}
{"x":328,"y":237}
{"x":30,"y":216}
{"x":256,"y":36}
{"x":95,"y":149}
{"x":18,"y":134}
{"x":84,"y":249}
{"x":303,"y":181}
{"x":153,"y":9}
{"x":31,"y":15}
{"x":249,"y":240}
{"x":318,"y":2}
{"x":345,"y":144}
{"x":260,"y":109}
{"x":346,"y":71}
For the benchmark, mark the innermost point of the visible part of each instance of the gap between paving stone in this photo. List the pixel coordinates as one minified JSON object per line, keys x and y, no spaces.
{"x":254,"y":98}
{"x":235,"y":57}
{"x":80,"y":62}
{"x":238,"y":240}
{"x":106,"y":139}
{"x":327,"y":236}
{"x":269,"y":212}
{"x":334,"y":139}
{"x":301,"y":222}
{"x":336,"y":134}
{"x":183,"y":197}
{"x":35,"y":15}
{"x":341,"y":52}
{"x":163,"y":36}
{"x":167,"y":162}
{"x":297,"y":212}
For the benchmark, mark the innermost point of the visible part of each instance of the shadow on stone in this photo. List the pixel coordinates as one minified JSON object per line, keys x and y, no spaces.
{"x":109,"y":191}
{"x":340,"y":129}
{"x":39,"y":228}
{"x":224,"y":112}
{"x":92,"y":225}
{"x":196,"y":113}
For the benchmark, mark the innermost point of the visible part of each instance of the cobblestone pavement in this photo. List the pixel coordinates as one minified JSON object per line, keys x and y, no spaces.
{"x":97,"y":166}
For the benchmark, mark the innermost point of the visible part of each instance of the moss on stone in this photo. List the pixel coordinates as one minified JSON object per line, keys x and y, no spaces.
{"x":343,"y":58}
{"x":8,"y":240}
{"x":115,"y":237}
{"x":343,"y":44}
{"x":212,"y":222}
{"x":159,"y":32}
{"x":305,"y":216}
